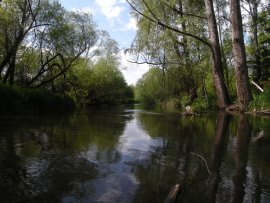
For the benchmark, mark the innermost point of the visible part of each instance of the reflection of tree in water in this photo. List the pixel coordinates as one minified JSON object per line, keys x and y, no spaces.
{"x":227,"y":157}
{"x":218,"y":153}
{"x":52,"y":177}
{"x":47,"y":159}
{"x":260,"y":159}
{"x":241,"y":158}
{"x":172,"y":162}
{"x":11,"y":172}
{"x":43,"y":158}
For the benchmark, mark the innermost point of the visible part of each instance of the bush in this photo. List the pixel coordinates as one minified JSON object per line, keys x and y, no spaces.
{"x":20,"y":100}
{"x":199,"y":105}
{"x":260,"y":101}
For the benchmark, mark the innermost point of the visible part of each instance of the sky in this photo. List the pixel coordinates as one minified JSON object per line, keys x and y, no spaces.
{"x":114,"y":17}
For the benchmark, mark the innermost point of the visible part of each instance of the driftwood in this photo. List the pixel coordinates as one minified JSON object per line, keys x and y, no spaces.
{"x":173,"y":194}
{"x":233,"y":108}
{"x":265,"y":112}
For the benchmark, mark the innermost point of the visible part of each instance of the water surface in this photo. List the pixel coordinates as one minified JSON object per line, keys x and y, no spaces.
{"x":133,"y":155}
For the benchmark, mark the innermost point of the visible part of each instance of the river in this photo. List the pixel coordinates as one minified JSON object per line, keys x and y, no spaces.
{"x":133,"y":155}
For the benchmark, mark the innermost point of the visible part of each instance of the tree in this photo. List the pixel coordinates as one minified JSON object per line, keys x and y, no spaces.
{"x":151,"y":89}
{"x":152,"y":11}
{"x":16,"y":21}
{"x":257,"y":50}
{"x":62,"y":45}
{"x":43,"y":29}
{"x":241,"y":73}
{"x":217,"y":69}
{"x":106,"y":84}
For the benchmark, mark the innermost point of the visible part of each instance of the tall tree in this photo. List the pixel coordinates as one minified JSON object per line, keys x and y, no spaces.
{"x":17,"y":19}
{"x":253,"y":6}
{"x":217,"y":69}
{"x":257,"y":12}
{"x":152,"y":11}
{"x":241,"y":72}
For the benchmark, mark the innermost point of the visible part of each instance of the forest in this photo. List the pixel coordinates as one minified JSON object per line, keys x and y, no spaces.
{"x":70,"y":126}
{"x":203,"y":54}
{"x":51,"y":56}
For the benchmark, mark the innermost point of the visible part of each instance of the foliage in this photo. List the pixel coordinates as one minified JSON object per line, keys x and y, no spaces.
{"x":258,"y":46}
{"x":58,"y":52}
{"x":172,"y":36}
{"x":98,"y":83}
{"x":107,"y":84}
{"x":52,"y":37}
{"x":199,"y":105}
{"x":151,"y":88}
{"x":260,"y":101}
{"x":22,"y":100}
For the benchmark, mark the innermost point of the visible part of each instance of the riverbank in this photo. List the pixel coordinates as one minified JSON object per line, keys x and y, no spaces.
{"x":23,"y":100}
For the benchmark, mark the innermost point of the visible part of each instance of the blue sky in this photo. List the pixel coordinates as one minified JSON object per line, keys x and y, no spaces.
{"x":114,"y":17}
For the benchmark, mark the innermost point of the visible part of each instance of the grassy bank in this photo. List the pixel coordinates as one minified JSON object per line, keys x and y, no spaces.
{"x":22,"y":100}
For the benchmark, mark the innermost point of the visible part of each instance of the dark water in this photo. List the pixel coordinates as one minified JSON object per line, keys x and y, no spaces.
{"x":128,"y":155}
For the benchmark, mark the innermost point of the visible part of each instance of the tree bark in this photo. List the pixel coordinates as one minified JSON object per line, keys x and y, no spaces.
{"x":241,"y":73}
{"x":217,"y":71}
{"x":253,"y":12}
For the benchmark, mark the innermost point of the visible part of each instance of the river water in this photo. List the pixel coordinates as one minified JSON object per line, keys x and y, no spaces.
{"x":133,"y":155}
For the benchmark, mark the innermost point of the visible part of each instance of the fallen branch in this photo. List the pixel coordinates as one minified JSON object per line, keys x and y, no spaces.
{"x":256,"y":85}
{"x":265,"y":112}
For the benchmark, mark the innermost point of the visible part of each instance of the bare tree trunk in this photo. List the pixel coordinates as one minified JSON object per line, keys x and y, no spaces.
{"x":217,"y":70}
{"x":241,"y":73}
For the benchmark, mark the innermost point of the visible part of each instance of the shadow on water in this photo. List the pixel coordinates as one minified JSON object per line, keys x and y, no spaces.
{"x":132,"y":155}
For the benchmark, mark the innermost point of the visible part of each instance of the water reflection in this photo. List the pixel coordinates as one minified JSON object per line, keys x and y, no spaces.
{"x":131,"y":155}
{"x":243,"y":135}
{"x":218,"y":153}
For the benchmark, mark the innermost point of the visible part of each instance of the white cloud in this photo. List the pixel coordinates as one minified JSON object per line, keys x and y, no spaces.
{"x":87,"y":10}
{"x":131,"y":71}
{"x":110,"y":8}
{"x":132,"y":24}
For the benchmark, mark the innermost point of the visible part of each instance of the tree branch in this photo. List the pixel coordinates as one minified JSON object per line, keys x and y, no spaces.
{"x":157,"y":21}
{"x":145,"y":62}
{"x":183,"y":13}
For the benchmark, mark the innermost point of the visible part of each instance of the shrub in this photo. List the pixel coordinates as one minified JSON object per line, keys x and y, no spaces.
{"x":260,"y":101}
{"x":20,"y":100}
{"x":199,"y":105}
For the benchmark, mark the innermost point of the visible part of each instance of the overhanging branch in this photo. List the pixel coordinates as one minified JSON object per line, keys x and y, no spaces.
{"x":159,"y":22}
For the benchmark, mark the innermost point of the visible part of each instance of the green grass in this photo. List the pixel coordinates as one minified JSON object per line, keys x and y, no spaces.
{"x":260,"y":101}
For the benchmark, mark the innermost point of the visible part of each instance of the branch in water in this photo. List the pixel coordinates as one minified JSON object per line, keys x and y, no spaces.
{"x":204,"y":162}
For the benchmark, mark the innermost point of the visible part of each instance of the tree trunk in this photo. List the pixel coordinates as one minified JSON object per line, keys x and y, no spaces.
{"x":253,"y":5}
{"x":241,"y":73}
{"x":224,"y":58}
{"x":12,"y":69}
{"x":217,"y":70}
